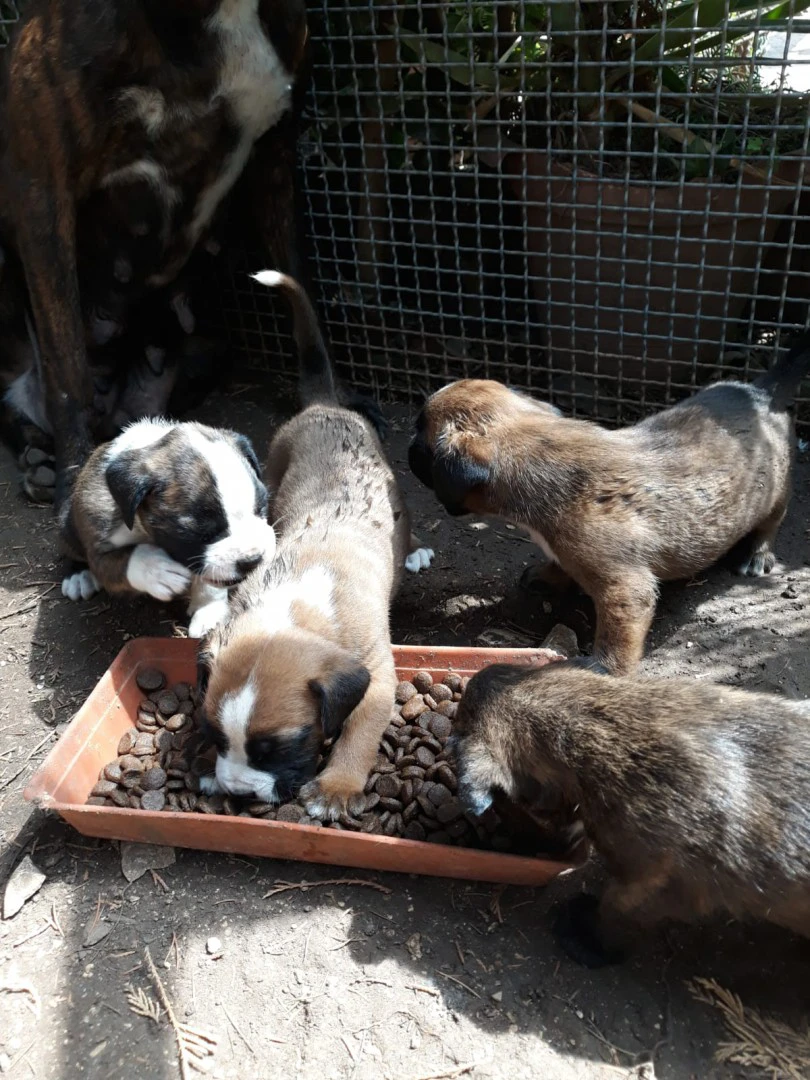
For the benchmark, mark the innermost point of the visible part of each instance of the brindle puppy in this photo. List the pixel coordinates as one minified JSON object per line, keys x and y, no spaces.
{"x":125,"y":123}
{"x":620,"y":511}
{"x":696,"y":796}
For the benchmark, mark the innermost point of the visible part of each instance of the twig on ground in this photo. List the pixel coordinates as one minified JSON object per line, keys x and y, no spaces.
{"x":287,"y":886}
{"x":191,"y":1044}
{"x":448,"y":1074}
{"x":452,"y":978}
{"x":143,"y":1005}
{"x":23,"y":988}
{"x":4,"y":783}
{"x":237,"y":1029}
{"x":760,"y":1042}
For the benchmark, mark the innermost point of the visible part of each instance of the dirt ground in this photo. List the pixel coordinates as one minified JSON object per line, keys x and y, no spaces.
{"x":430,"y":978}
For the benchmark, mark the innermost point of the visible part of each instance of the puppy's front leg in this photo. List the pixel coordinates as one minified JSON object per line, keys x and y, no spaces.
{"x":207,"y":606}
{"x":143,"y":568}
{"x":624,"y":614}
{"x":339,"y":788}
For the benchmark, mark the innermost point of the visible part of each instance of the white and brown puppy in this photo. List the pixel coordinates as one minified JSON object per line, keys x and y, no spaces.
{"x":165,"y":509}
{"x":696,"y":796}
{"x":306,"y":654}
{"x":619,"y":511}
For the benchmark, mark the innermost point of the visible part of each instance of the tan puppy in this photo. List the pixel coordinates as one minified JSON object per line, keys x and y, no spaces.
{"x":306,"y":654}
{"x":620,"y":511}
{"x":696,"y":796}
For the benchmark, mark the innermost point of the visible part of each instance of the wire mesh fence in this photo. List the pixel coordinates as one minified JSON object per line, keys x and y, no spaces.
{"x":601,"y":202}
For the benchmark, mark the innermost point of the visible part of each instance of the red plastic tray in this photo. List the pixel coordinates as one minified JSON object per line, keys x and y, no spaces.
{"x":66,"y":777}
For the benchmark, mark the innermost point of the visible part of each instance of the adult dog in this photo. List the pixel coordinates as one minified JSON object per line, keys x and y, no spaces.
{"x":125,"y":124}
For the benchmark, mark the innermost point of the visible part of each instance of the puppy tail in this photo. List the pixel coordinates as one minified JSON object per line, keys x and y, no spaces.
{"x":783,"y":380}
{"x":316,"y":380}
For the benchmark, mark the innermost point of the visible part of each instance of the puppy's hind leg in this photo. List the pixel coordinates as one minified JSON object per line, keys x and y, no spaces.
{"x":754,"y":555}
{"x":419,"y":557}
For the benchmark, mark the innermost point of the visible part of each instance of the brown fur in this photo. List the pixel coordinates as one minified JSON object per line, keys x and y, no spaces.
{"x":67,"y":123}
{"x":619,"y":510}
{"x":341,"y":517}
{"x":697,"y":796}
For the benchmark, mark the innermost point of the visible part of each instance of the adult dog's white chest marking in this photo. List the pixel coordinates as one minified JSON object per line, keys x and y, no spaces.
{"x":256,"y":87}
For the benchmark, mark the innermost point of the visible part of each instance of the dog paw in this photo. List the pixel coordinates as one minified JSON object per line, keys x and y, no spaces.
{"x":328,"y":797}
{"x":80,"y":586}
{"x":152,"y":571}
{"x":209,"y":785}
{"x":38,"y":474}
{"x":758,"y":565}
{"x":208,"y":616}
{"x":576,"y":928}
{"x":420,"y":559}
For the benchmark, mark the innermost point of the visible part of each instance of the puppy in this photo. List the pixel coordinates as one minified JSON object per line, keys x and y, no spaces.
{"x":620,"y":511}
{"x":306,"y":653}
{"x":165,"y":508}
{"x":696,"y":796}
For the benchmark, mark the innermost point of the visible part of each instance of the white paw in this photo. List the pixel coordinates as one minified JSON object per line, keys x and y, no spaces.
{"x":419,"y":560}
{"x":152,"y":571}
{"x":80,"y":586}
{"x":209,"y":785}
{"x":207,"y":617}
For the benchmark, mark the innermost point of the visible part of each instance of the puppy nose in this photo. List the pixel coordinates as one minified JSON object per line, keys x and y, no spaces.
{"x":248,"y":563}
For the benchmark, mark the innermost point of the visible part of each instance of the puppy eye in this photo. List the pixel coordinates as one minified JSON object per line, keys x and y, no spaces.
{"x":213,"y":735}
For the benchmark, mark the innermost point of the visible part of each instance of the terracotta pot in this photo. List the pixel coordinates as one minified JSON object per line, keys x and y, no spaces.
{"x":617,"y":268}
{"x":64,"y":780}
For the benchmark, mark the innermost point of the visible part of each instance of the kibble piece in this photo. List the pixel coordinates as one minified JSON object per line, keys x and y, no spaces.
{"x":388,"y":787}
{"x":134,"y":802}
{"x":405,"y":691}
{"x":423,"y":681}
{"x":413,"y":708}
{"x":103,"y":788}
{"x":186,"y":708}
{"x":131,"y":764}
{"x":439,"y":794}
{"x":412,"y":772}
{"x":394,"y":805}
{"x":96,"y":800}
{"x":448,"y":811}
{"x":427,"y":805}
{"x":119,"y":797}
{"x":163,"y":741}
{"x":182,"y":691}
{"x":150,"y":679}
{"x":127,"y":741}
{"x":446,"y":776}
{"x":439,"y":837}
{"x":413,"y":831}
{"x":393,"y":825}
{"x":430,"y":701}
{"x":440,"y":692}
{"x":448,"y":709}
{"x":424,"y":757}
{"x":153,"y":779}
{"x":457,"y":829}
{"x":113,"y":772}
{"x":290,"y":812}
{"x":153,"y":800}
{"x":372,"y":800}
{"x":175,"y":721}
{"x":453,"y":682}
{"x":144,"y":745}
{"x":410,"y":811}
{"x":167,"y":703}
{"x":440,"y":726}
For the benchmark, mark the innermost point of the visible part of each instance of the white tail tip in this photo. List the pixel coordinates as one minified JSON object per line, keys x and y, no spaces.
{"x":269,"y":277}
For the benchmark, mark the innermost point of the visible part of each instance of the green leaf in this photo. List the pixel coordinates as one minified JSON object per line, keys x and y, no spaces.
{"x":459,"y":67}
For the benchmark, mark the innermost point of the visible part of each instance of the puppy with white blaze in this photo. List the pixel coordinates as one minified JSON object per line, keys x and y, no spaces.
{"x":168,"y":509}
{"x":305,"y":656}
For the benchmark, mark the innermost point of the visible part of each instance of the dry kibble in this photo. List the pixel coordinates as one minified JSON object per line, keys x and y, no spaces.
{"x":167,"y":703}
{"x":127,"y":741}
{"x":423,"y":681}
{"x":405,"y":691}
{"x":153,"y":800}
{"x":150,"y":679}
{"x":413,"y":708}
{"x":410,"y":793}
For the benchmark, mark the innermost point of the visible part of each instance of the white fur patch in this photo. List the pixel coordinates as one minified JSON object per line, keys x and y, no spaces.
{"x":419,"y":560}
{"x":80,"y":586}
{"x":314,"y":588}
{"x":208,"y":607}
{"x":151,"y":570}
{"x":139,"y":436}
{"x":255,"y":85}
{"x":145,"y":169}
{"x":233,"y":774}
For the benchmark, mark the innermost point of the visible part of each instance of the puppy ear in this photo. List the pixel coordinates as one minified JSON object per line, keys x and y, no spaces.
{"x":207,"y":652}
{"x":454,"y":476}
{"x":479,"y":776}
{"x":339,"y":695}
{"x":129,"y":481}
{"x":245,"y":446}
